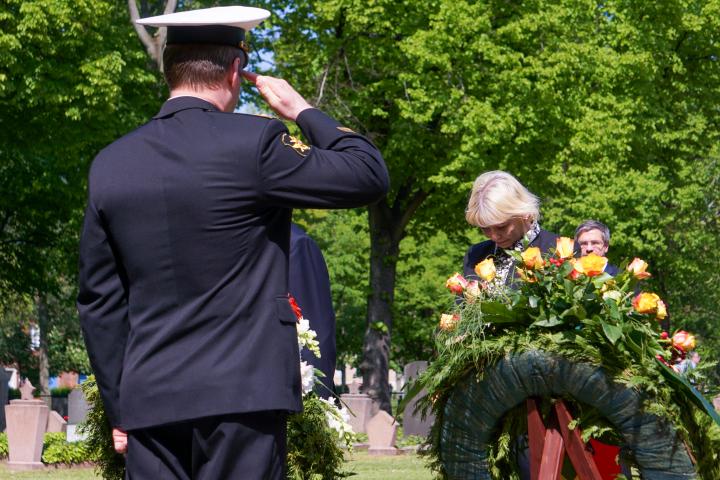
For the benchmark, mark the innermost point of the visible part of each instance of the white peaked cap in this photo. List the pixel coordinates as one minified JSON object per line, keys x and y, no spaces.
{"x":244,"y":18}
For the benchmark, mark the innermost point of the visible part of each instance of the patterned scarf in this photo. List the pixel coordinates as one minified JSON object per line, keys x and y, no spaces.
{"x":504,"y":266}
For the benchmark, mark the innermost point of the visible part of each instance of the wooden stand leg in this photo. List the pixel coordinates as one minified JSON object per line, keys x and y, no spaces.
{"x":553,"y":453}
{"x":536,"y":437}
{"x":577,"y":451}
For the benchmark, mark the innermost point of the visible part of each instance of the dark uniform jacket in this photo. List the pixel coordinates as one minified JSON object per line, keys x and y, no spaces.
{"x":309,"y":283}
{"x":184,"y":257}
{"x":481,"y":251}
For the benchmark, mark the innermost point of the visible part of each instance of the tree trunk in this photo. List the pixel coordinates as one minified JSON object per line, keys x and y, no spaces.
{"x":384,"y":249}
{"x":42,"y":352}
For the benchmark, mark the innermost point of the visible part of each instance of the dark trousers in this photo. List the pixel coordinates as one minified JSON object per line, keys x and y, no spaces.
{"x":249,"y":446}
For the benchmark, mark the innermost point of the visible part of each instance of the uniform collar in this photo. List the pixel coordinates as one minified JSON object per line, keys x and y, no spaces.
{"x":174,"y":105}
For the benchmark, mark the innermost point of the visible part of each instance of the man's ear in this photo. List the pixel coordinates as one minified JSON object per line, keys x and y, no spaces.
{"x":235,"y":73}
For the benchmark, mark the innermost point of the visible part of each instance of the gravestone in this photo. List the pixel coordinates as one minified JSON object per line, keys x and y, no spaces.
{"x":716,"y":403}
{"x":4,"y":379}
{"x":26,"y":422}
{"x":77,"y":413}
{"x":77,"y":406}
{"x":413,"y":423}
{"x":55,"y":422}
{"x":382,"y":433}
{"x":360,"y":407}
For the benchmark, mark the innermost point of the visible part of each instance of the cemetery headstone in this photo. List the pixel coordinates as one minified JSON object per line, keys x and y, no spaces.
{"x":55,"y":422}
{"x":413,"y":423}
{"x":4,"y":379}
{"x":26,"y":420}
{"x":382,"y":434}
{"x":77,"y":413}
{"x":361,"y":409}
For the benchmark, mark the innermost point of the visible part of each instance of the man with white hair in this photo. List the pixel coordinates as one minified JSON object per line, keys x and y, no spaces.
{"x":593,"y":236}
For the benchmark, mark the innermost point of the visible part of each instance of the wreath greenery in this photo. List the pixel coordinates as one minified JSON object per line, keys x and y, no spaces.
{"x":570,"y":309}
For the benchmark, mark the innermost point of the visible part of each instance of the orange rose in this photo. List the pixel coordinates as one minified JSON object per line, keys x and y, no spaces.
{"x":564,"y":247}
{"x":533,"y":258}
{"x":456,"y":284}
{"x":661,"y":312}
{"x":486,"y":269}
{"x":638,"y":268}
{"x":646,"y":302}
{"x":449,"y":322}
{"x":682,"y":340}
{"x":590,"y":265}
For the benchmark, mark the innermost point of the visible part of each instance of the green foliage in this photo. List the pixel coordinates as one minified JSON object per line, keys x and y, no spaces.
{"x":57,"y":450}
{"x":313,"y":449}
{"x":604,"y":110}
{"x":110,"y":465}
{"x":3,"y":445}
{"x":584,"y":317}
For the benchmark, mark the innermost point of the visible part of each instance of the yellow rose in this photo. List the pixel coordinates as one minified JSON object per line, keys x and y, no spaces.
{"x":590,"y":265}
{"x":472,"y":291}
{"x":532,"y":258}
{"x":448,"y":322}
{"x":565,"y":247}
{"x":682,"y":340}
{"x":646,"y":302}
{"x":486,"y":269}
{"x":661,"y":312}
{"x":638,"y":268}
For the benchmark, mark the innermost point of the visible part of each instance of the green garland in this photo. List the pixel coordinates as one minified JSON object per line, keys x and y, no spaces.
{"x":570,"y":309}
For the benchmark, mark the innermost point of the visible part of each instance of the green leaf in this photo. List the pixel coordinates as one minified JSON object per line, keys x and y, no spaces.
{"x":612,"y":332}
{"x":533,"y":301}
{"x":689,"y":391}
{"x":552,"y":321}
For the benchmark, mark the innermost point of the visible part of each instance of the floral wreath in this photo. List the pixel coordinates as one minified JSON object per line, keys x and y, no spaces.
{"x":572,"y":309}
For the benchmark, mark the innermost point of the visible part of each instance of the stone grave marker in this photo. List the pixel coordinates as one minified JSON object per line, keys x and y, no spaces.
{"x":26,"y":419}
{"x":361,"y":408}
{"x":77,"y":413}
{"x":382,"y":433}
{"x":4,"y":379}
{"x":413,"y":424}
{"x":55,"y":422}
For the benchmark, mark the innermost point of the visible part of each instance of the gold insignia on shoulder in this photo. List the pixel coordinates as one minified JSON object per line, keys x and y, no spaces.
{"x":346,"y":129}
{"x":294,"y":143}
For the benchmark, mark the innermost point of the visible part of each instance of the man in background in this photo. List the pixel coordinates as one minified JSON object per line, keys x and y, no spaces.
{"x":592,"y":236}
{"x":309,"y":283}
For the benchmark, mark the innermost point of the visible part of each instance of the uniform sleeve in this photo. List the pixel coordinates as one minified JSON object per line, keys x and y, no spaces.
{"x":339,"y":169}
{"x":102,"y":305}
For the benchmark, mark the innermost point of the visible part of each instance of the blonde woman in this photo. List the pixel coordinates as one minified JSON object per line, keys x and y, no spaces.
{"x":507,"y":213}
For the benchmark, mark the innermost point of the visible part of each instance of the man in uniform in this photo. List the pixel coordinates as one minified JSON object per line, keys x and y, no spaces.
{"x":183,"y":295}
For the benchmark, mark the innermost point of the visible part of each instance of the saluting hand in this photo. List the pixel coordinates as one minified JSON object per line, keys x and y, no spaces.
{"x":279,"y":95}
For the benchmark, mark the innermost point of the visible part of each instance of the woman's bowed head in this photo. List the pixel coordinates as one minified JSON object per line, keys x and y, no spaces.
{"x":502,"y":207}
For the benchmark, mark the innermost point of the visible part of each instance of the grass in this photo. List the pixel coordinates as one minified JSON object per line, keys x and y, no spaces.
{"x":365,"y":467}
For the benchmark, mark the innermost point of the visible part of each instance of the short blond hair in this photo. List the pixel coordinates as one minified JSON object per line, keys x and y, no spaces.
{"x":498,"y":197}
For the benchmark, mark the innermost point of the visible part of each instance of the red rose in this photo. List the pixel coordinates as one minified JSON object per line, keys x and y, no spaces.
{"x":294,"y":306}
